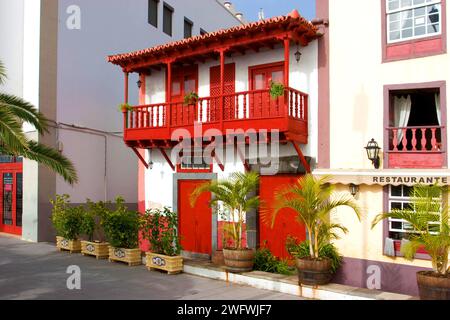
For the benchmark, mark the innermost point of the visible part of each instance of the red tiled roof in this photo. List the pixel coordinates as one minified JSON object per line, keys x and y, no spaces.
{"x":294,"y":17}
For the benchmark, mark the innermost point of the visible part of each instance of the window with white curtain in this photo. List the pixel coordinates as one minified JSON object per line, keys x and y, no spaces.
{"x":412,"y":19}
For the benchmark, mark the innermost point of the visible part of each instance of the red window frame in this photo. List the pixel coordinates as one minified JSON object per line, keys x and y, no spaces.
{"x":414,"y":48}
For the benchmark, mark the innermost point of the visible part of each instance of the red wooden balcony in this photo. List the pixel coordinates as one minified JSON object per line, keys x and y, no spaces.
{"x":154,"y":125}
{"x":417,"y":147}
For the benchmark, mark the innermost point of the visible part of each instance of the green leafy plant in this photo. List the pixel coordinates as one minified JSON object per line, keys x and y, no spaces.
{"x":327,"y":250}
{"x":429,"y":220}
{"x":121,"y":226}
{"x":190,"y":98}
{"x":66,"y":219}
{"x":160,"y":228}
{"x":314,"y":202}
{"x":125,"y":107}
{"x":234,"y":195}
{"x":267,"y":262}
{"x":92,"y":219}
{"x":276,"y":90}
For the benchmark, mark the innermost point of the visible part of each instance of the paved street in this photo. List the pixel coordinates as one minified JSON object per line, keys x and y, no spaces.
{"x":38,"y":271}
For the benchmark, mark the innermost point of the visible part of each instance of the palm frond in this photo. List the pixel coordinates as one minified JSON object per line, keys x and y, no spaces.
{"x":24,"y":111}
{"x":2,"y":73}
{"x":52,"y":159}
{"x":11,"y":133}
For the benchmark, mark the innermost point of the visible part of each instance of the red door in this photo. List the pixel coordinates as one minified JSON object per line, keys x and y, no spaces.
{"x":184,"y":81}
{"x":230,"y":111}
{"x":195,"y":224}
{"x":11,"y":182}
{"x":261,"y":104}
{"x":285,"y":224}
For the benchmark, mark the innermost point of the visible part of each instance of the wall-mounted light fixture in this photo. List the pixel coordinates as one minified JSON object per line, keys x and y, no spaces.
{"x":354,"y":189}
{"x":150,"y":164}
{"x":298,"y":55}
{"x":373,"y":151}
{"x":139,"y":83}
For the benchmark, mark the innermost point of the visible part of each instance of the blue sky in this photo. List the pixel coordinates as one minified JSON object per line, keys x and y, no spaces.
{"x":272,"y":8}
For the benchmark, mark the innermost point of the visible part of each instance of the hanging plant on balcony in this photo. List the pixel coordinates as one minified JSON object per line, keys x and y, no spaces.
{"x":190,"y":99}
{"x":276,"y":90}
{"x":125,"y":107}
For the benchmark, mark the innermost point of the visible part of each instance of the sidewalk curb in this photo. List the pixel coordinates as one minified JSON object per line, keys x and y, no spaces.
{"x":289,"y":284}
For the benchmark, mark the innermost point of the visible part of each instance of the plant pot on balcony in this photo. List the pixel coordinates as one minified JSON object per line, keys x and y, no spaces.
{"x":239,"y":260}
{"x":100,"y":250}
{"x":433,"y":286}
{"x":172,"y":265}
{"x":130,"y":256}
{"x":313,"y":272}
{"x":73,"y":246}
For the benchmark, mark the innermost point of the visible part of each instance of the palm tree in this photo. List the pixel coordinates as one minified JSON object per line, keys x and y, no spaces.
{"x":312,"y":199}
{"x":14,"y":111}
{"x":429,"y":221}
{"x":234,"y":195}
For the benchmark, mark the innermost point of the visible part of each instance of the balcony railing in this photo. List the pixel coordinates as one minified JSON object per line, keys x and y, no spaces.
{"x":417,"y":147}
{"x":416,"y":139}
{"x":255,"y":108}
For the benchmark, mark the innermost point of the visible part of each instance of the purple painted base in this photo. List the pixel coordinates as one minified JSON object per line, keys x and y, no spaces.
{"x":394,"y":277}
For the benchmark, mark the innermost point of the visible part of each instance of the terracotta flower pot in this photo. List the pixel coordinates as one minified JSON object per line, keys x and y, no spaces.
{"x":314,"y":272}
{"x":238,"y":261}
{"x":433,"y":287}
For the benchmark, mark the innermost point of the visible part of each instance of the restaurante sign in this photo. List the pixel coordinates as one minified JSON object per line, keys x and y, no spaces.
{"x":411,"y":180}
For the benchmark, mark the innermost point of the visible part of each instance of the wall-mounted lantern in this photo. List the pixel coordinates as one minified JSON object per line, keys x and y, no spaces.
{"x":139,"y":83}
{"x":298,"y":55}
{"x":354,"y":189}
{"x":373,"y":151}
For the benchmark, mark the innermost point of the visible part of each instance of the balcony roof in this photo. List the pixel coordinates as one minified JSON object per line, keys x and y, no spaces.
{"x":239,"y":38}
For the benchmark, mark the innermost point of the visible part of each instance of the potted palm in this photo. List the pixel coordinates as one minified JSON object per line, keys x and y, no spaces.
{"x":95,"y":245}
{"x":314,"y":202}
{"x":160,"y":227}
{"x":233,"y":195}
{"x":67,"y":221}
{"x":430,"y":230}
{"x":121,"y":228}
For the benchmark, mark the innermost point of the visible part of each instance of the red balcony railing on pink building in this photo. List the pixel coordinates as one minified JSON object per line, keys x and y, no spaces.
{"x":242,"y":110}
{"x":417,"y":147}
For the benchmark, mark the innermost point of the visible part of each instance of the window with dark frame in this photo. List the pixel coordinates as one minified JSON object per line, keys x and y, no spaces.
{"x":167,"y":19}
{"x":188,"y":24}
{"x":153,"y":12}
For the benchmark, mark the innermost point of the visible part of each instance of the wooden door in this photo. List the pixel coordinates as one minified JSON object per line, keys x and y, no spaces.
{"x":261,"y":103}
{"x":230,"y":112}
{"x":184,"y":81}
{"x":286,"y":223}
{"x":195,"y":224}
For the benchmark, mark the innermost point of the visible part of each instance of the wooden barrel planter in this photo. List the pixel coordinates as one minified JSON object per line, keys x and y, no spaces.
{"x":100,"y":250}
{"x":432,"y":287}
{"x":217,"y":258}
{"x":238,"y":261}
{"x":73,"y":246}
{"x":314,"y":272}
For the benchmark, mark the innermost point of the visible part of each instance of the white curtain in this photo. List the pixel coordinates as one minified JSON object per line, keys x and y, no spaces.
{"x":437,"y":99}
{"x":402,"y":110}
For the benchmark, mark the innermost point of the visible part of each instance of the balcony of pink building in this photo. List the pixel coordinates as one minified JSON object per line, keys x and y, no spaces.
{"x":417,"y":147}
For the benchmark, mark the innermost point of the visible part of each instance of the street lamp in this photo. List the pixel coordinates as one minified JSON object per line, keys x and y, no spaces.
{"x":373,"y":151}
{"x":298,"y":55}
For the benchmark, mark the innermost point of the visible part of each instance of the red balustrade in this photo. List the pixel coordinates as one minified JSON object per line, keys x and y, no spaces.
{"x":416,"y":139}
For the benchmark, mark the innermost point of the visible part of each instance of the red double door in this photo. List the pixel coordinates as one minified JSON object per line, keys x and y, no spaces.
{"x":11,"y":198}
{"x":286,"y":223}
{"x":262,"y":105}
{"x":195,"y":223}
